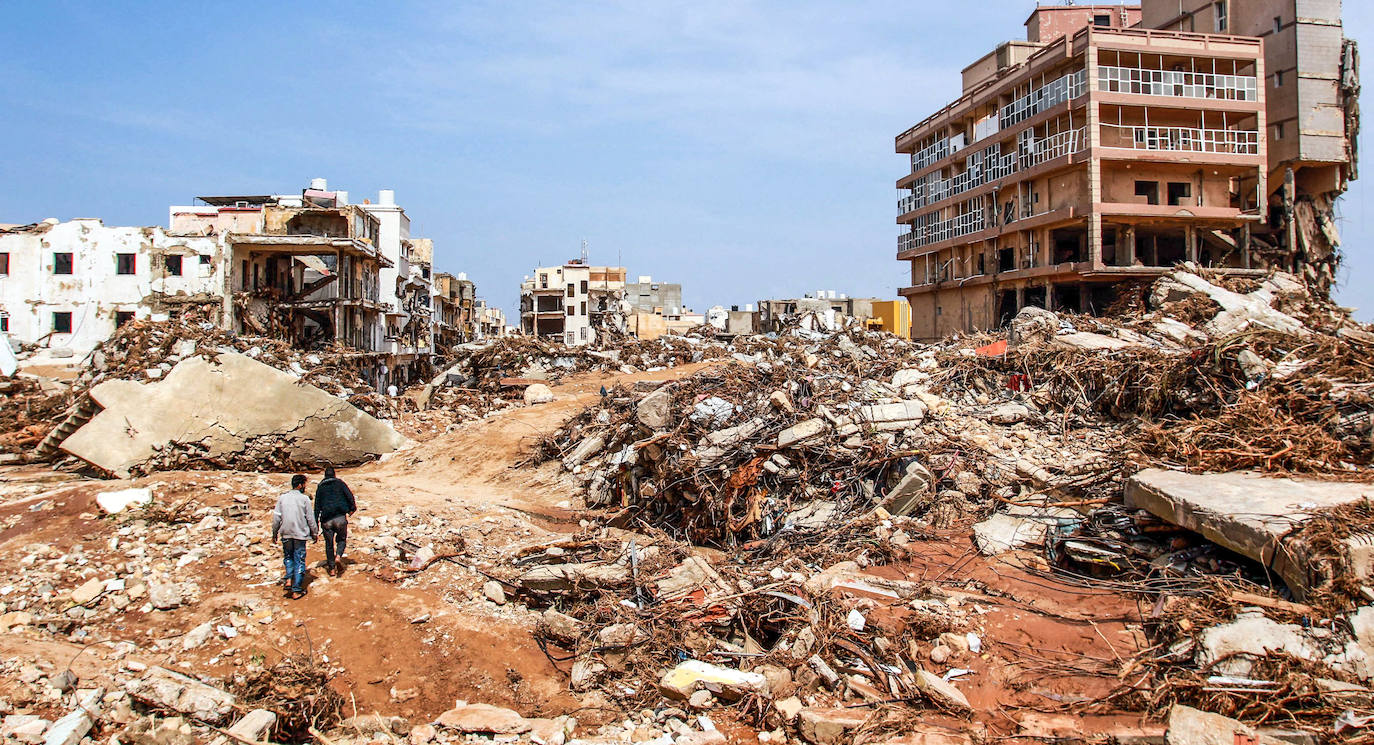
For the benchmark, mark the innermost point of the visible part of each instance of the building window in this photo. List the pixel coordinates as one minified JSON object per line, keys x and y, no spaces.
{"x":584,"y":287}
{"x":1102,"y":19}
{"x":1149,"y":190}
{"x":1219,"y":10}
{"x":572,"y":309}
{"x":62,"y":322}
{"x":543,"y":281}
{"x":122,"y":317}
{"x":1278,"y":131}
{"x":582,"y":333}
{"x":173,"y":265}
{"x":1179,"y":191}
{"x":572,"y":289}
{"x":4,"y":322}
{"x":584,"y":307}
{"x":125,"y":263}
{"x":204,"y":260}
{"x":1278,"y":79}
{"x":1278,"y":24}
{"x":4,"y":263}
{"x":62,"y":264}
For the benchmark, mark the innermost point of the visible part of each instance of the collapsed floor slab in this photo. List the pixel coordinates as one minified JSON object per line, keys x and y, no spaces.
{"x":1253,"y":515}
{"x":218,"y":410}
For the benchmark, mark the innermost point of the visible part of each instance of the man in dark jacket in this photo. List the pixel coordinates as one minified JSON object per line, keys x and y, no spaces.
{"x":333,"y":504}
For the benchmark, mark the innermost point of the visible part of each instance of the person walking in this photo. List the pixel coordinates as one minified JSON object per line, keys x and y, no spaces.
{"x":333,"y":504}
{"x":293,"y":522}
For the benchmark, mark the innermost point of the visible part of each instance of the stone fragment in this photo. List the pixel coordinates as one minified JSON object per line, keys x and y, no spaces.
{"x":111,"y":502}
{"x":73,"y":727}
{"x":24,"y":728}
{"x":494,"y":592}
{"x":197,"y":636}
{"x":781,"y":401}
{"x":907,"y":494}
{"x":941,"y":691}
{"x":789,"y":707}
{"x":801,"y":432}
{"x":1032,"y":325}
{"x":655,"y":410}
{"x":562,"y":577}
{"x":688,"y":677}
{"x":87,"y":592}
{"x":894,"y":416}
{"x":562,"y":627}
{"x":163,"y":687}
{"x":1189,"y":726}
{"x":1009,"y":413}
{"x":538,"y":393}
{"x":586,"y":449}
{"x":485,"y":719}
{"x":820,"y":726}
{"x":1251,"y":635}
{"x":1001,"y":532}
{"x":163,"y":595}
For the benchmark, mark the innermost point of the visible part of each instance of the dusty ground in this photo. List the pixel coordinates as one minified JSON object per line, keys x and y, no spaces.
{"x":410,"y":644}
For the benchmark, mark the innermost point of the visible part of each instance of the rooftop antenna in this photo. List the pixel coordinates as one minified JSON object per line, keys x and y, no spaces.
{"x":584,"y":250}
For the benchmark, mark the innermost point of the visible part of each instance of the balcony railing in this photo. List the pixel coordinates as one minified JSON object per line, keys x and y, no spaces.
{"x":1178,"y":83}
{"x":1054,"y":146}
{"x":1045,"y":97}
{"x":926,"y":230}
{"x":1184,"y":139}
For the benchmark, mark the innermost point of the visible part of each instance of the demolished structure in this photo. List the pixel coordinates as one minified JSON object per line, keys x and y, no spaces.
{"x":1105,"y":149}
{"x":573,"y":302}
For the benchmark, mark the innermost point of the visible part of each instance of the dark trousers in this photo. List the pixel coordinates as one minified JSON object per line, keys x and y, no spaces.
{"x":293,"y":556}
{"x":335,"y":531}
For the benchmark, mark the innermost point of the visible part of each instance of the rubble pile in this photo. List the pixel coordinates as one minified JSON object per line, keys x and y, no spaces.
{"x":811,"y":456}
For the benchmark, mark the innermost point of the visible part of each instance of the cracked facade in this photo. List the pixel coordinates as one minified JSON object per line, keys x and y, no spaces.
{"x":1118,"y":141}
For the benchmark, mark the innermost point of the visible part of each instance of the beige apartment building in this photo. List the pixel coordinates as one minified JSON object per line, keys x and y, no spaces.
{"x":1097,"y":152}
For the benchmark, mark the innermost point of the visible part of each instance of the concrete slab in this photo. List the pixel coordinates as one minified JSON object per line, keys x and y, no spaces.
{"x":231,"y":406}
{"x":1251,"y":515}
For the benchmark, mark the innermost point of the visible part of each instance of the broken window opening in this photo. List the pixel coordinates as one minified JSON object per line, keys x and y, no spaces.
{"x":62,"y":321}
{"x":1178,"y":191}
{"x":122,"y":317}
{"x":4,"y":263}
{"x":62,"y":264}
{"x":1149,"y":190}
{"x":126,"y":264}
{"x":173,"y":264}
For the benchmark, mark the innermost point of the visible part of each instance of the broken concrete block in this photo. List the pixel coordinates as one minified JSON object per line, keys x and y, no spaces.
{"x":24,"y":728}
{"x":941,"y":691}
{"x":1009,"y":413}
{"x":1239,"y":312}
{"x":586,"y":672}
{"x":563,"y":577}
{"x":88,"y":591}
{"x":1251,"y":636}
{"x":1251,"y":515}
{"x":562,"y":627}
{"x":224,"y":409}
{"x":72,"y":728}
{"x":1189,"y":726}
{"x":112,"y":502}
{"x":906,"y":495}
{"x":163,"y":595}
{"x":1089,"y":341}
{"x":789,"y":707}
{"x":538,"y":393}
{"x":655,"y":410}
{"x":894,"y":416}
{"x":693,"y":675}
{"x":494,"y":592}
{"x":821,"y":726}
{"x":801,"y":432}
{"x":712,"y":412}
{"x":1032,"y":325}
{"x":484,"y":718}
{"x":781,"y":401}
{"x":811,"y":515}
{"x":253,"y":727}
{"x":584,"y":450}
{"x":694,"y":572}
{"x":1002,"y":532}
{"x":163,"y":687}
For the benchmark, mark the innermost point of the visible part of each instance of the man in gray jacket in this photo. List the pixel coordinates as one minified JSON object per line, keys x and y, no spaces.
{"x":294,"y":521}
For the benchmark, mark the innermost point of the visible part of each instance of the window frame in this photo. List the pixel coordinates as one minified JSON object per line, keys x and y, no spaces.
{"x":59,"y":257}
{"x":169,"y":259}
{"x":65,"y":315}
{"x":126,"y":264}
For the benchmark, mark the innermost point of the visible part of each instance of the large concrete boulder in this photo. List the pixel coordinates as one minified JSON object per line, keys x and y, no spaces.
{"x":232,"y":410}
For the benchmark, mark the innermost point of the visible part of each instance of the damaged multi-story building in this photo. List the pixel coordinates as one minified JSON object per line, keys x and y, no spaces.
{"x":1105,"y":150}
{"x":491,"y":321}
{"x":573,"y":301}
{"x":315,"y":269}
{"x":455,"y":320}
{"x":66,"y":286}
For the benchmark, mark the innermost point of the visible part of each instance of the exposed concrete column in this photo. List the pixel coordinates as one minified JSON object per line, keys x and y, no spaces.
{"x":1091,"y":140}
{"x":1083,"y":301}
{"x":1020,"y":297}
{"x":1190,"y":238}
{"x":1049,"y":296}
{"x":1245,"y":245}
{"x":1126,"y":245}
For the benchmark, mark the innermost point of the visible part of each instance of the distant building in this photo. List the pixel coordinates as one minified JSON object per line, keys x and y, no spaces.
{"x":570,"y":302}
{"x":648,"y":296}
{"x":826,"y":309}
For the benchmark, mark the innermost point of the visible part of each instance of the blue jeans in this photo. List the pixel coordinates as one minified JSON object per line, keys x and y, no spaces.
{"x":293,"y":556}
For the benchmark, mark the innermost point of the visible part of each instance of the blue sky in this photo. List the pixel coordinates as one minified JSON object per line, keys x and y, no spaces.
{"x":743,"y":149}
